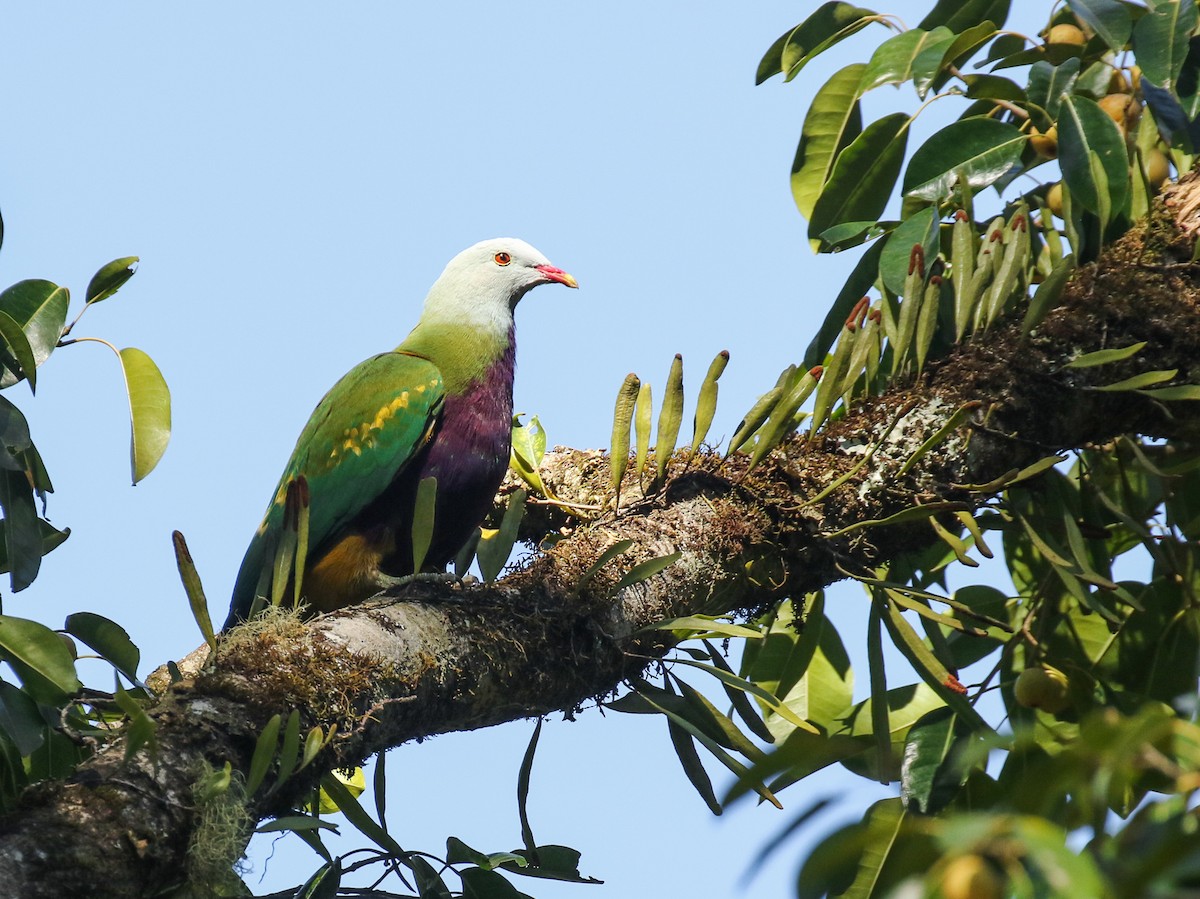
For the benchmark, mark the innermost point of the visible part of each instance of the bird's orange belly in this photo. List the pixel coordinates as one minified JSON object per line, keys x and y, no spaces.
{"x":347,"y":573}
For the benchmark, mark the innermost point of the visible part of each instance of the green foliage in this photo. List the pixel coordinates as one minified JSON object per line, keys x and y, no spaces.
{"x":1042,"y":161}
{"x":998,"y":789}
{"x":48,"y":724}
{"x":846,"y":168}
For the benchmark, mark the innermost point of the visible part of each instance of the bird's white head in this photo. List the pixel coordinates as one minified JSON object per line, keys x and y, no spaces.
{"x":483,"y":283}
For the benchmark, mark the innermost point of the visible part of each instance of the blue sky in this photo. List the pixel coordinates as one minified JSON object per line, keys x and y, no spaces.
{"x":293,"y":180}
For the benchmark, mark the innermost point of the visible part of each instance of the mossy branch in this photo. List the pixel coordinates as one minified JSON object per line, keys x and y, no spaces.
{"x":443,"y":658}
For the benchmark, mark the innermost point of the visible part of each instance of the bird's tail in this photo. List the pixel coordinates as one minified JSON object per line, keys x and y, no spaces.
{"x":246,"y":585}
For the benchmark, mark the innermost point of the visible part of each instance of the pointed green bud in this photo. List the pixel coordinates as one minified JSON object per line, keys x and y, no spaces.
{"x":706,"y":403}
{"x":618,"y":456}
{"x":641,"y":426}
{"x":759,"y":411}
{"x":670,"y":417}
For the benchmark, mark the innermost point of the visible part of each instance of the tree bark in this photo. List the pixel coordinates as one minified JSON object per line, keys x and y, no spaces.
{"x":557,"y":633}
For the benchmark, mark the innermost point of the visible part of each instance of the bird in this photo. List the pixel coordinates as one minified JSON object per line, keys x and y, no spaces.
{"x":437,"y":406}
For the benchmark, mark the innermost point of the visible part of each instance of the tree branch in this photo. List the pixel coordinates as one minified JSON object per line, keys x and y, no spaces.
{"x":439,"y":659}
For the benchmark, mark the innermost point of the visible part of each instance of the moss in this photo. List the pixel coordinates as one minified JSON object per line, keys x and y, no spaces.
{"x":319,"y":678}
{"x":223,"y":827}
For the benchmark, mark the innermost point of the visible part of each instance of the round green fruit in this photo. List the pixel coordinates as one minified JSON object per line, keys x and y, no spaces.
{"x":1066,"y":34}
{"x":1042,"y":687}
{"x":971,"y":877}
{"x":1054,"y":199}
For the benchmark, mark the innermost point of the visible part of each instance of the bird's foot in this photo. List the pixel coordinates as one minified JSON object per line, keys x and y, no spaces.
{"x":388,"y":582}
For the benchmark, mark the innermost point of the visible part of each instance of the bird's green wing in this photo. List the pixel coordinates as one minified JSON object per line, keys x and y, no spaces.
{"x":362,"y":434}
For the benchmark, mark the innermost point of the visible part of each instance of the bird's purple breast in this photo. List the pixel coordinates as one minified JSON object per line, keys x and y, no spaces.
{"x":469,"y":454}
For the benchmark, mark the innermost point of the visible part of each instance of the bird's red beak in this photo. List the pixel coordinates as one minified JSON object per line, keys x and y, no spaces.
{"x":557,"y":274}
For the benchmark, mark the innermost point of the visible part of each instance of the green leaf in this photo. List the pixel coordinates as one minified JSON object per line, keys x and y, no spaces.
{"x":701,"y":723}
{"x":20,"y":719}
{"x":832,"y":22}
{"x":1093,"y":157}
{"x":848,"y":235}
{"x":832,"y":864}
{"x":1048,"y":84}
{"x":312,"y":838}
{"x":51,"y":539}
{"x":1105,"y":357}
{"x":424,"y":507}
{"x":959,"y":15}
{"x":931,"y":773}
{"x":528,"y":449}
{"x":701,"y":623}
{"x":264,"y":753}
{"x":780,"y":659}
{"x":645,"y":570}
{"x":14,"y":436}
{"x":289,"y":751}
{"x":1047,"y":295}
{"x":110,"y":278}
{"x":912,"y":513}
{"x":23,"y":539}
{"x":1108,"y":18}
{"x":965,"y":45}
{"x":877,"y":672}
{"x":481,"y":883}
{"x":140,"y":731}
{"x":833,"y":120}
{"x":429,"y":883}
{"x":1145,"y":379}
{"x":736,"y":690}
{"x":980,"y":150}
{"x":523,"y":777}
{"x":621,"y":546}
{"x":931,"y":669}
{"x":882,"y":851}
{"x":316,"y":741}
{"x":297,"y":823}
{"x":919,"y":230}
{"x":1160,"y":39}
{"x":324,"y":882}
{"x":40,"y":308}
{"x":349,"y":806}
{"x":863,"y":175}
{"x":826,"y":687}
{"x":1171,"y":394}
{"x":17,"y":345}
{"x":554,"y":863}
{"x":689,"y":759}
{"x":108,"y":639}
{"x":892,"y":61}
{"x":458,"y":852}
{"x":496,"y":546}
{"x":994,"y":87}
{"x":149,"y":411}
{"x":928,"y":63}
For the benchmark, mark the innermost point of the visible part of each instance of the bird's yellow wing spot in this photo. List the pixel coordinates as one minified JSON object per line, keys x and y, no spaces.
{"x":364,"y":435}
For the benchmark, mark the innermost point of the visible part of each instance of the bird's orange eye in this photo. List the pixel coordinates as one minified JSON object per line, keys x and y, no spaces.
{"x":502,"y":258}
